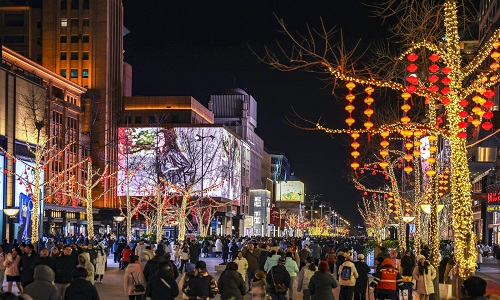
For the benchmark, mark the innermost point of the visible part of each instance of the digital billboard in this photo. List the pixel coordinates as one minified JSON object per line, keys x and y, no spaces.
{"x":195,"y":157}
{"x":289,"y":191}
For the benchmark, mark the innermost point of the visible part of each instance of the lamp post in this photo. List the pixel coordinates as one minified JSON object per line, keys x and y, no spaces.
{"x":118,"y":220}
{"x":11,"y":212}
{"x":408,"y":220}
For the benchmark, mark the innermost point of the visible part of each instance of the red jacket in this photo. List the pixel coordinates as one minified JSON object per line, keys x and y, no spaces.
{"x":126,"y":254}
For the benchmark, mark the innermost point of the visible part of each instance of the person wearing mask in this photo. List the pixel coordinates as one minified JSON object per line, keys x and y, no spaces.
{"x":84,"y":262}
{"x":80,"y":287}
{"x":199,"y":284}
{"x":386,"y":281}
{"x":125,"y":260}
{"x":45,"y":259}
{"x":259,"y":286}
{"x":100,"y":266}
{"x":133,"y":276}
{"x":162,"y":285}
{"x":322,"y":283}
{"x":242,"y":265}
{"x":362,"y":281}
{"x":424,"y":273}
{"x":231,"y":284}
{"x":3,"y":256}
{"x":27,"y":265}
{"x":42,"y":288}
{"x":304,"y":277}
{"x":278,"y":279}
{"x":252,"y":256}
{"x":347,"y":276}
{"x":292,"y":268}
{"x":11,"y":264}
{"x":65,"y":264}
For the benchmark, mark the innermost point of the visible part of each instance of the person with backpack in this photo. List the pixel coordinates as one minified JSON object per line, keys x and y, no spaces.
{"x":231,"y":284}
{"x":133,"y":276}
{"x":199,"y":285}
{"x":348,"y":275}
{"x":386,"y":281}
{"x":152,"y":265}
{"x":162,"y":285}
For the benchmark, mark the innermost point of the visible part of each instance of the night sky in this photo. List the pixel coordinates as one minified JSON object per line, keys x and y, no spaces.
{"x":200,"y":48}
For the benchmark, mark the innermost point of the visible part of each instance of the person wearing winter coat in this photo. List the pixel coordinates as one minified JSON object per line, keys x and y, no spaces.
{"x":322,"y":283}
{"x":146,"y":255}
{"x":65,"y":264}
{"x":162,"y":285}
{"x":84,"y":262}
{"x":100,"y":264}
{"x":126,"y":253}
{"x":252,"y":256}
{"x":263,"y":255}
{"x":424,"y":273}
{"x":315,"y":252}
{"x":479,"y":259}
{"x":234,"y":250}
{"x":177,"y":253}
{"x":259,"y":286}
{"x":26,"y":265}
{"x":231,"y":284}
{"x":271,"y":261}
{"x":386,"y":281}
{"x":81,"y":288}
{"x":347,"y":283}
{"x":293,"y":269}
{"x":362,"y":281}
{"x":407,"y":263}
{"x":11,"y":265}
{"x":3,"y":256}
{"x":278,"y":275}
{"x":133,"y":276}
{"x":225,"y":251}
{"x":304,"y":277}
{"x":42,"y":288}
{"x":218,"y":246}
{"x":199,"y":284}
{"x":45,"y":259}
{"x":242,"y":265}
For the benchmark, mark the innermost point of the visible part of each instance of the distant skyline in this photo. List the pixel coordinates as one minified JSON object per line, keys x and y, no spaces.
{"x":201,"y":48}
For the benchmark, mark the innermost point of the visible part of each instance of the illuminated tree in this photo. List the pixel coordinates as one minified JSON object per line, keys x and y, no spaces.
{"x":437,"y":74}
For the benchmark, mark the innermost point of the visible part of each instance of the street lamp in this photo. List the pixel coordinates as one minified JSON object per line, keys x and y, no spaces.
{"x":426,"y":208}
{"x":11,"y":212}
{"x":118,"y":220}
{"x":408,"y":220}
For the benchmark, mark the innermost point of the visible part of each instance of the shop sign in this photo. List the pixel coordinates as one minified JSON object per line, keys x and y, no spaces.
{"x":493,"y":208}
{"x":494,"y":197}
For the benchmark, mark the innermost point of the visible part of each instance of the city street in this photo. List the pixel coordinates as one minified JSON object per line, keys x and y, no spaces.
{"x":112,"y":286}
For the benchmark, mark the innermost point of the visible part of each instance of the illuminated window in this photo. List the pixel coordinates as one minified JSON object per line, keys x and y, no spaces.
{"x":62,"y":56}
{"x":64,"y":22}
{"x":73,"y":73}
{"x":85,"y":73}
{"x":62,"y":73}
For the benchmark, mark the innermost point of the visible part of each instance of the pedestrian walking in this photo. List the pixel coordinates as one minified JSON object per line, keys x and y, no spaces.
{"x":162,"y":285}
{"x":100,"y":266}
{"x":424,"y":273}
{"x":84,"y":262}
{"x":322,"y":283}
{"x":65,"y":264}
{"x":231,"y":284}
{"x":81,"y":288}
{"x":304,"y":277}
{"x":12,"y":269}
{"x":259,"y":286}
{"x":362,"y":281}
{"x":42,"y":288}
{"x":3,"y":256}
{"x":184,"y":257}
{"x":347,"y":276}
{"x":293,"y":269}
{"x":126,"y":253}
{"x":132,"y":278}
{"x":199,"y":285}
{"x":251,"y":254}
{"x":386,"y":281}
{"x":278,"y":279}
{"x":242,"y":265}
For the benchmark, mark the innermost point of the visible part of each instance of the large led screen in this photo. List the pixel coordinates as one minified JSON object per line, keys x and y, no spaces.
{"x":207,"y":158}
{"x":289,"y":191}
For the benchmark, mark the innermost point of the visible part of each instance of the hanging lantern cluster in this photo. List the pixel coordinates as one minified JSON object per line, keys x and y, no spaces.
{"x":368,"y":111}
{"x":431,"y":159}
{"x":444,"y":183}
{"x":407,"y":207}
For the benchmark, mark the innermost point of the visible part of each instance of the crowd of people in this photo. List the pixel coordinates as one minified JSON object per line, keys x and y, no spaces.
{"x":275,"y":268}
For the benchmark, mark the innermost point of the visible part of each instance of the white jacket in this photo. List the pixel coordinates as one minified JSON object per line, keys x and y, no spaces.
{"x":242,"y":266}
{"x":354,"y":274}
{"x":304,"y":277}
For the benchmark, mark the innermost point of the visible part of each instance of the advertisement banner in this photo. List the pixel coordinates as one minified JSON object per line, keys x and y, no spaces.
{"x":289,"y":191}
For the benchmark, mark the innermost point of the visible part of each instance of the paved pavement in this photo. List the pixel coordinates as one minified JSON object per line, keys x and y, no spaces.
{"x":112,"y":286}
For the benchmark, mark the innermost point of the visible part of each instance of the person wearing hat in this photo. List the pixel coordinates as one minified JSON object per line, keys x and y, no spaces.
{"x":100,"y":264}
{"x":362,"y":280}
{"x":321,"y":283}
{"x":348,"y":275}
{"x":424,"y":274}
{"x":386,"y":281}
{"x":259,"y":286}
{"x":278,"y":279}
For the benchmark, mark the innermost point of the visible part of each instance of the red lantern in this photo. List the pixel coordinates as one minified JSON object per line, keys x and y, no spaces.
{"x":411,"y":89}
{"x":489,"y":93}
{"x":463,"y":114}
{"x":412,"y":79}
{"x":487,"y":126}
{"x":462,"y":124}
{"x":433,"y":88}
{"x":433,"y":78}
{"x":462,"y":135}
{"x":446,"y":91}
{"x":463,"y":103}
{"x":433,"y":68}
{"x":445,"y":101}
{"x":488,"y":104}
{"x":446,"y":70}
{"x":488,"y":115}
{"x":412,"y":68}
{"x":446,"y":80}
{"x":434,"y":57}
{"x":412,"y":57}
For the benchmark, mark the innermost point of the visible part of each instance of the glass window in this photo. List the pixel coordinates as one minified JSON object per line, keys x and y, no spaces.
{"x":62,"y":72}
{"x":138,"y":120}
{"x":63,"y":56}
{"x":14,"y":20}
{"x":63,"y":39}
{"x":74,"y":39}
{"x":85,"y":73}
{"x":14,"y":39}
{"x":64,"y":22}
{"x":64,"y":4}
{"x":85,"y":22}
{"x":151,"y":119}
{"x":74,"y":55}
{"x":86,"y":38}
{"x":73,"y":73}
{"x":85,"y":55}
{"x":86,"y":4}
{"x":74,"y":22}
{"x":74,"y":4}
{"x":128,"y":119}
